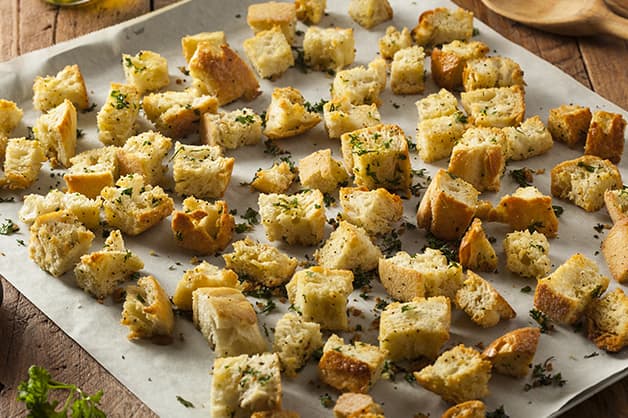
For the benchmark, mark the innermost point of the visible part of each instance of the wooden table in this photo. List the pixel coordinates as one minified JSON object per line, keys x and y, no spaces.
{"x":28,"y":337}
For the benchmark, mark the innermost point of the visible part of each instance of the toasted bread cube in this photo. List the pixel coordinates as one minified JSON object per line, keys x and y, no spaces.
{"x":354,"y":405}
{"x":201,"y":170}
{"x":245,"y":384}
{"x":350,"y":368}
{"x":51,"y":91}
{"x":497,"y":107}
{"x":203,"y":227}
{"x":482,"y":302}
{"x":341,"y":116}
{"x":134,"y":206}
{"x":117,"y":116}
{"x":407,"y":71}
{"x":57,"y":242}
{"x":190,"y":42}
{"x":527,"y":140}
{"x":605,"y":137}
{"x":569,"y":124}
{"x":476,"y":251}
{"x":275,"y":413}
{"x":393,"y":41}
{"x":221,"y":72}
{"x":100,"y":272}
{"x":260,"y":263}
{"x":526,"y":208}
{"x":443,"y":103}
{"x":406,"y":276}
{"x":144,"y":154}
{"x":22,"y":162}
{"x":348,"y":247}
{"x":146,"y":70}
{"x":378,"y":157}
{"x":276,"y":179}
{"x":607,"y":324}
{"x":436,"y":137}
{"x":565,"y":294}
{"x":370,"y":13}
{"x":527,"y":254}
{"x":320,"y":295}
{"x":228,"y":321}
{"x":374,"y":210}
{"x":359,"y":84}
{"x":85,"y":209}
{"x":203,"y":275}
{"x":584,"y":181}
{"x":615,"y":250}
{"x":92,"y":170}
{"x":287,"y":116}
{"x":616,"y":202}
{"x":448,"y":62}
{"x":414,"y":329}
{"x":458,"y":375}
{"x":3,"y":148}
{"x":147,"y":311}
{"x":319,"y":171}
{"x":10,"y":116}
{"x":448,"y":206}
{"x":329,"y":49}
{"x":441,"y":25}
{"x":468,"y":409}
{"x":269,"y":52}
{"x":56,"y":131}
{"x":512,"y":353}
{"x":310,"y":11}
{"x":295,"y":341}
{"x":264,"y":16}
{"x":231,"y":130}
{"x":487,"y":72}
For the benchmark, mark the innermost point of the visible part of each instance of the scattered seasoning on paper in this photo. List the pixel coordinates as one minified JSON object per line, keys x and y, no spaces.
{"x":593,"y":354}
{"x":526,"y":289}
{"x":185,"y":402}
{"x":542,"y":376}
{"x":326,"y":401}
{"x":498,"y":413}
{"x":542,"y":319}
{"x":8,"y":227}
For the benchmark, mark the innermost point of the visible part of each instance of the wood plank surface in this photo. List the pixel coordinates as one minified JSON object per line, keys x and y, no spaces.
{"x":28,"y":337}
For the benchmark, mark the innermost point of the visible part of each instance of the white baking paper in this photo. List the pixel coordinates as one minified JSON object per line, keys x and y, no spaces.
{"x":157,"y":374}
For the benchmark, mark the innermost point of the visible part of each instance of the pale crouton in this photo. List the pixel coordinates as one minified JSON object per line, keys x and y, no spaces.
{"x":565,"y":294}
{"x":134,"y":206}
{"x":527,"y":254}
{"x":202,"y":275}
{"x":497,"y":107}
{"x":512,"y":353}
{"x":341,"y":116}
{"x":441,"y":25}
{"x":263,"y":16}
{"x":458,"y":375}
{"x":359,"y":84}
{"x":144,"y":154}
{"x":201,"y":170}
{"x":443,"y":103}
{"x":100,"y":272}
{"x":487,"y":72}
{"x":616,"y":202}
{"x":117,"y":116}
{"x":310,"y":11}
{"x":607,"y":324}
{"x":374,"y":210}
{"x":406,"y":276}
{"x":320,"y":295}
{"x":407,"y":71}
{"x":476,"y":252}
{"x":370,"y":13}
{"x":56,"y":131}
{"x":295,"y":341}
{"x":615,"y":250}
{"x":329,"y":49}
{"x":10,"y":116}
{"x":287,"y":116}
{"x":57,"y":242}
{"x":393,"y":41}
{"x":92,"y":170}
{"x":146,"y":70}
{"x":276,"y":179}
{"x":260,"y":263}
{"x":203,"y":227}
{"x":355,"y":405}
{"x":85,"y":209}
{"x":584,"y":181}
{"x":526,"y":208}
{"x":569,"y":124}
{"x":51,"y":91}
{"x":190,"y":42}
{"x":319,"y":171}
{"x":482,"y":302}
{"x":448,"y":62}
{"x":22,"y":162}
{"x":350,"y":368}
{"x":605,"y":137}
{"x":231,"y":130}
{"x":527,"y":140}
{"x":228,"y":321}
{"x":468,"y":409}
{"x":348,"y":247}
{"x":147,"y":311}
{"x":245,"y":384}
{"x":436,"y":137}
{"x":415,"y":329}
{"x":269,"y":52}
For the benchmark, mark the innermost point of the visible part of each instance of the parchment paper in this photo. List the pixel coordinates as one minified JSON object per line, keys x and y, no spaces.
{"x":157,"y":374}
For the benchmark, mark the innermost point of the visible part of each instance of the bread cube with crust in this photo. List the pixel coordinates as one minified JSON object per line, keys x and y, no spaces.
{"x":231,"y":130}
{"x":353,"y":405}
{"x":85,"y":209}
{"x":435,"y":105}
{"x":10,"y":117}
{"x":310,"y":11}
{"x":263,"y":16}
{"x":147,"y":311}
{"x":414,"y":329}
{"x":565,"y":294}
{"x":370,"y":13}
{"x":319,"y":171}
{"x":202,"y":275}
{"x":468,"y":409}
{"x":607,"y":324}
{"x":487,"y":72}
{"x":497,"y":107}
{"x":146,"y":70}
{"x":436,"y":137}
{"x":361,"y":85}
{"x":407,"y":71}
{"x":527,"y":140}
{"x":295,"y":341}
{"x":100,"y":272}
{"x":287,"y":116}
{"x":228,"y":321}
{"x":92,"y":170}
{"x":117,"y":116}
{"x":569,"y":124}
{"x":275,"y":413}
{"x":615,"y":250}
{"x":56,"y":131}
{"x":51,"y":91}
{"x":527,"y":254}
{"x":328,"y":49}
{"x":394,"y":40}
{"x":350,"y":367}
{"x":320,"y":295}
{"x":449,"y":60}
{"x":441,"y":25}
{"x":190,"y":42}
{"x":482,"y":302}
{"x":512,"y":353}
{"x":605,"y":137}
{"x":201,"y":170}
{"x":341,"y":116}
{"x":143,"y":154}
{"x":616,"y":202}
{"x":276,"y":179}
{"x":57,"y":242}
{"x":269,"y":52}
{"x":348,"y":247}
{"x":22,"y":163}
{"x":374,"y":210}
{"x":475,"y":251}
{"x":526,"y":208}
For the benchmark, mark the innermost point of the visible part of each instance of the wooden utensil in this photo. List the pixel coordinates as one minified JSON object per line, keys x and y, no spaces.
{"x":566,"y":17}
